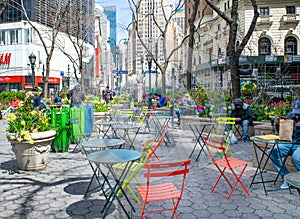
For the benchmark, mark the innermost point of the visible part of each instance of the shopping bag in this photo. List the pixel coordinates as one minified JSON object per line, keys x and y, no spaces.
{"x":233,"y":139}
{"x":286,"y":127}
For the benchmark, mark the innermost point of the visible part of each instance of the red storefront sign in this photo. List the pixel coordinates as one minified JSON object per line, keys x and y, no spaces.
{"x":21,"y":79}
{"x":5,"y":58}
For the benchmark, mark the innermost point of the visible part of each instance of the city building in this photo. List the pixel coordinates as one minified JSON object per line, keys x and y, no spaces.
{"x":153,"y":38}
{"x":111,"y":13}
{"x":104,"y":61}
{"x":271,"y":56}
{"x":20,"y":37}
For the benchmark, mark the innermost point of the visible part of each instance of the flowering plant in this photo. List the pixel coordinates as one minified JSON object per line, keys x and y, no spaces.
{"x":26,"y":120}
{"x":248,"y":86}
{"x":281,"y":108}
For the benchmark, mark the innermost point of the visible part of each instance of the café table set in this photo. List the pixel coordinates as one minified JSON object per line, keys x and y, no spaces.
{"x":102,"y":154}
{"x":263,"y":147}
{"x":114,"y":147}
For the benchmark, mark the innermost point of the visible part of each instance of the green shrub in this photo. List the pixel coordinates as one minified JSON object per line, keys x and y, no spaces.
{"x":6,"y":97}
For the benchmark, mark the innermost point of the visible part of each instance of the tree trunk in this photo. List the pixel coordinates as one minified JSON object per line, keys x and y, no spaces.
{"x":191,"y":45}
{"x":234,"y":71}
{"x":46,"y":79}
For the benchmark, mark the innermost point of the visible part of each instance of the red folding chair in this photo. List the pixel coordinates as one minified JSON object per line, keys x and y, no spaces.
{"x":226,"y":163}
{"x":156,"y":191}
{"x":153,"y":154}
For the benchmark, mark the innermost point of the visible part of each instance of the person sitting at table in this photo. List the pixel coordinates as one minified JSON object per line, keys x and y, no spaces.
{"x":282,"y":150}
{"x":243,"y":115}
{"x":57,"y":100}
{"x":162,"y":100}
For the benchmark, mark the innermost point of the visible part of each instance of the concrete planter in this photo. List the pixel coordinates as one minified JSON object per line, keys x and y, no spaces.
{"x":33,"y":157}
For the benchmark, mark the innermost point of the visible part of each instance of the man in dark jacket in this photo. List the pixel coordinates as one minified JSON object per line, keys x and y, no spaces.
{"x":243,"y":115}
{"x":76,"y":95}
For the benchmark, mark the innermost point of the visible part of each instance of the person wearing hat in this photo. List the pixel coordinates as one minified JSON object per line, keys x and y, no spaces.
{"x":282,"y":150}
{"x":243,"y":115}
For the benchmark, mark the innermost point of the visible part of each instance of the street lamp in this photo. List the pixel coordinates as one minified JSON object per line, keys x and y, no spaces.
{"x":117,"y":59}
{"x":68,"y":76}
{"x":32,"y":59}
{"x":142,"y":63}
{"x":149,"y":57}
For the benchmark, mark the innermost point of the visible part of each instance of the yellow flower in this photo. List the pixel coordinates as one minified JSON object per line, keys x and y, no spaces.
{"x":35,"y":131}
{"x":19,"y":139}
{"x":12,"y":137}
{"x":23,"y":122}
{"x":22,"y":132}
{"x":31,"y":141}
{"x":27,"y":137}
{"x":12,"y":116}
{"x":33,"y":113}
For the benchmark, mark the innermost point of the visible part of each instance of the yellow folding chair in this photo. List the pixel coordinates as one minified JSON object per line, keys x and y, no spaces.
{"x":139,"y":119}
{"x":224,"y":131}
{"x":129,"y":113}
{"x":135,"y":168}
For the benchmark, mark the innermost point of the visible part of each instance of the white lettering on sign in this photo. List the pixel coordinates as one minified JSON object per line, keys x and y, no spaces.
{"x":5,"y":58}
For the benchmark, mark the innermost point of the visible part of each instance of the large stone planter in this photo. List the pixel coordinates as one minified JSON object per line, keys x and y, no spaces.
{"x":33,"y":157}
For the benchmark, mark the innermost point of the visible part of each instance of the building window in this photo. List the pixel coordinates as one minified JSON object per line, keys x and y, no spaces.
{"x":290,"y":10}
{"x":264,"y":46}
{"x":264,"y":11}
{"x":290,"y":46}
{"x":210,"y":53}
{"x":2,"y":37}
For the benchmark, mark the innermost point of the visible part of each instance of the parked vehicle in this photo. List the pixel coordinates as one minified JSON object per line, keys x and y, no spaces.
{"x":280,"y":91}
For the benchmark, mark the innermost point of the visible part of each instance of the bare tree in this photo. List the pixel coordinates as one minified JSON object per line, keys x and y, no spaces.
{"x":163,"y":27}
{"x":47,"y":34}
{"x":3,"y":8}
{"x":191,"y":42}
{"x":83,"y":24}
{"x":234,"y":47}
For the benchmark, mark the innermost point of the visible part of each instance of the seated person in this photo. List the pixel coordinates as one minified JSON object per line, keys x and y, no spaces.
{"x":57,"y":100}
{"x":12,"y":105}
{"x":243,"y":115}
{"x":282,"y":150}
{"x":162,"y":101}
{"x":42,"y":106}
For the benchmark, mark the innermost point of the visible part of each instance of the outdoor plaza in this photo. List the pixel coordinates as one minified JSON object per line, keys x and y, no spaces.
{"x":69,"y":186}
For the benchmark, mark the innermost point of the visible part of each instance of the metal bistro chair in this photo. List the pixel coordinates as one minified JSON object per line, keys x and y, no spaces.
{"x":226,"y":163}
{"x":77,"y":125}
{"x":141,"y":118}
{"x":225,"y":129}
{"x":162,"y":186}
{"x":134,"y":169}
{"x":155,"y":145}
{"x":129,"y":113}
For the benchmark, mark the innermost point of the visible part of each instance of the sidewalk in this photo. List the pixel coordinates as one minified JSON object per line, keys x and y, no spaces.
{"x":57,"y":191}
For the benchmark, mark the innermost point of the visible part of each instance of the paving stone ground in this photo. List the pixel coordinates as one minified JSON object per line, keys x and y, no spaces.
{"x":57,"y":191}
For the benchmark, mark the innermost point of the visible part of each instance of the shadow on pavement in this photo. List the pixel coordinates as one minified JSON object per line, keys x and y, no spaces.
{"x":10,"y":165}
{"x":79,"y":188}
{"x":81,"y":209}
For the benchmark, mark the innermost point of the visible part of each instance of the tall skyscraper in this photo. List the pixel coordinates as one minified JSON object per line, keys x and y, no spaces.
{"x":111,"y":14}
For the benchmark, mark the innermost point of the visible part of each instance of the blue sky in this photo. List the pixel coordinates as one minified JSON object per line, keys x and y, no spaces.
{"x":124,"y":15}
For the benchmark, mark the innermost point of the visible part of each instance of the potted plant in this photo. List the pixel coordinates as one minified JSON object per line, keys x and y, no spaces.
{"x":30,"y":133}
{"x":249,"y":88}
